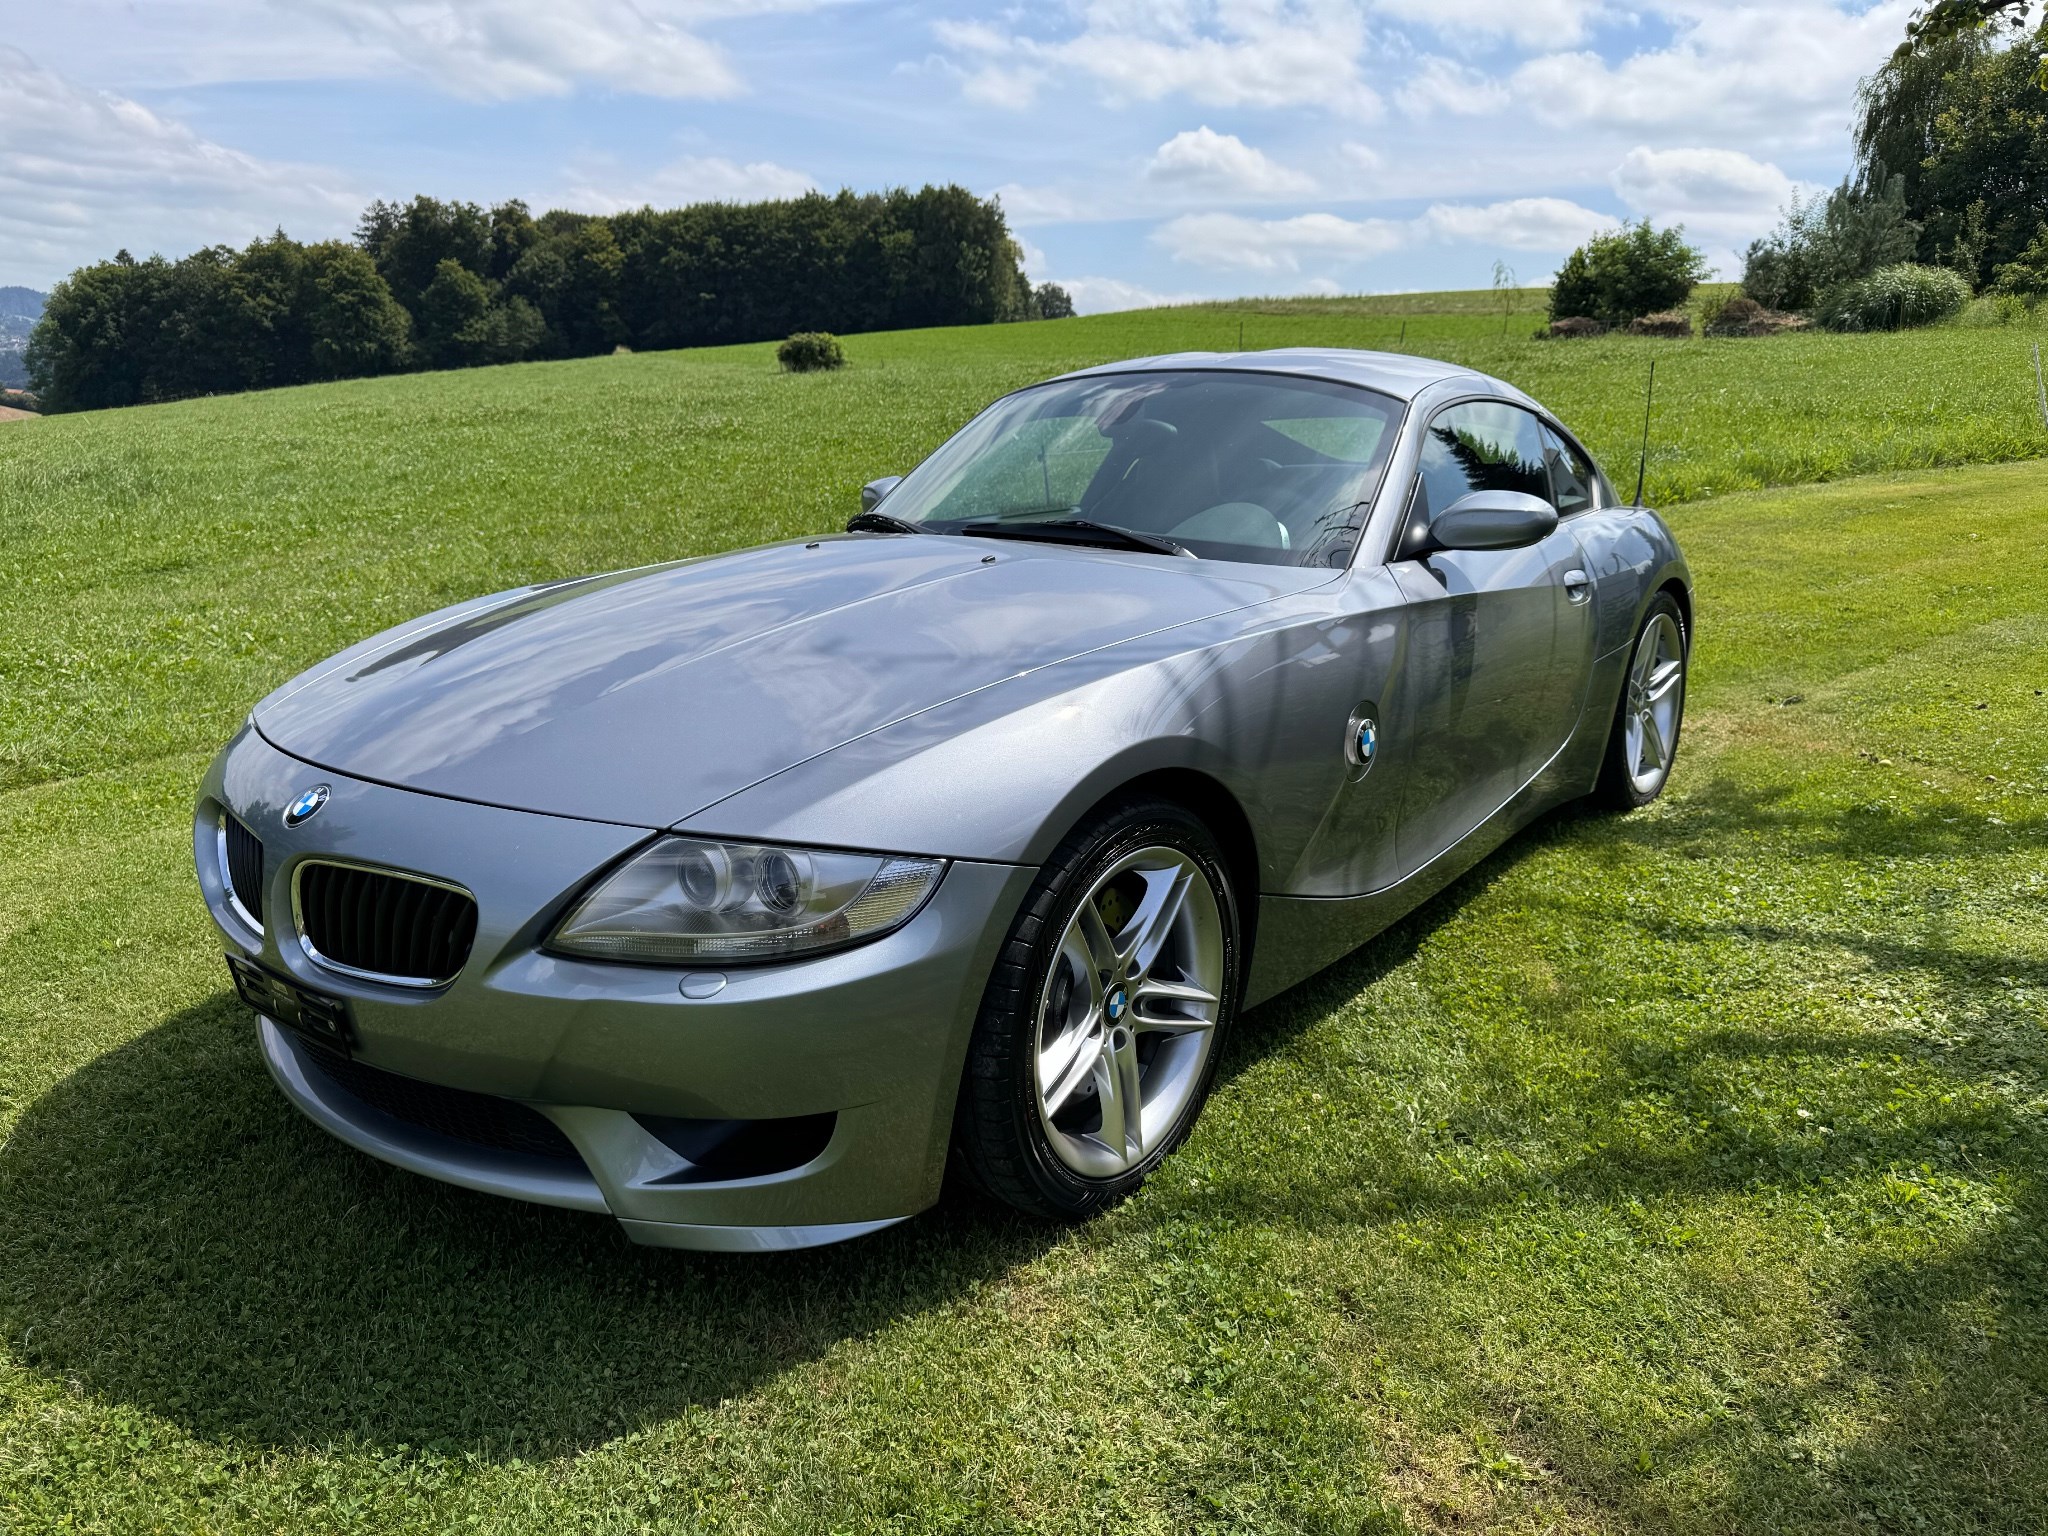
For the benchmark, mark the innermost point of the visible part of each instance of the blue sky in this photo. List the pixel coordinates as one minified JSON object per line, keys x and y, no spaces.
{"x":1145,"y":149}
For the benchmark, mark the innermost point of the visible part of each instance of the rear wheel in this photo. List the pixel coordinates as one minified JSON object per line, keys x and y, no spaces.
{"x":1098,"y":1035}
{"x":1643,"y":745}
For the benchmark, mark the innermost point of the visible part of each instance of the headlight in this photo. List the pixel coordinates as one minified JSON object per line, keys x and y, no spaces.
{"x":685,"y":899}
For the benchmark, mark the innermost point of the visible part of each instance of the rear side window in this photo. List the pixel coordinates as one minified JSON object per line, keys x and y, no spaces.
{"x":1576,"y":482}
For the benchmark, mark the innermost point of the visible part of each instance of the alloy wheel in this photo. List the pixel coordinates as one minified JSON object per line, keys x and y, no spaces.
{"x":1656,"y":695}
{"x":1128,"y":1012}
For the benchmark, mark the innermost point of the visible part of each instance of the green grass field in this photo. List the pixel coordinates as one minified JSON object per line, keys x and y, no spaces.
{"x":1681,"y":1172}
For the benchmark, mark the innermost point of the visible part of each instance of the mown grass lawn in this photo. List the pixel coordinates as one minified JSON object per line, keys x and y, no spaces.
{"x":1681,"y":1172}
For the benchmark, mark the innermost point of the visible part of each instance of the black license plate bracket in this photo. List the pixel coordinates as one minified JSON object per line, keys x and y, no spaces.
{"x":312,"y":1014}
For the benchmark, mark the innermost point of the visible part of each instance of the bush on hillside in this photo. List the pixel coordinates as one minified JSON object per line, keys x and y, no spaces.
{"x":811,"y":352}
{"x":1635,"y":271}
{"x":18,"y":400}
{"x":1991,"y":310}
{"x":1894,"y":298}
{"x":2026,"y":275}
{"x":1572,"y":327}
{"x":1049,"y":301}
{"x":1823,"y":243}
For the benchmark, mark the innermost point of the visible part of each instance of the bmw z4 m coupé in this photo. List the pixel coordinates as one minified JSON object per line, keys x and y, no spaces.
{"x":740,"y":897}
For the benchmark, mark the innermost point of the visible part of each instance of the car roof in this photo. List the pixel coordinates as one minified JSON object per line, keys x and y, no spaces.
{"x":1392,"y":373}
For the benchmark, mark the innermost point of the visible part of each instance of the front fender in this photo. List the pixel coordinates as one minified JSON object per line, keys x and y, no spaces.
{"x":1001,"y":776}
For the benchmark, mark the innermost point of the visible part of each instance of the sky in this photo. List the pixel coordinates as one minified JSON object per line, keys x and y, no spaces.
{"x":1146,"y":151}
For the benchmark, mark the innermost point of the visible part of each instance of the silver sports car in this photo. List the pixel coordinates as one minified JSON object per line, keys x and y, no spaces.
{"x":739,"y":898}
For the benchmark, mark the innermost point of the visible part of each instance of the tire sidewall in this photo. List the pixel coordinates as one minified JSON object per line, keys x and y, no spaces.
{"x":1663,"y":603}
{"x":1066,"y":880}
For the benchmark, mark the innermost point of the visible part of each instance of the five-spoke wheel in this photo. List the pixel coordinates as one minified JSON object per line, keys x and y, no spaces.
{"x":1128,"y":1011}
{"x":1644,"y":743}
{"x":1098,"y":1036}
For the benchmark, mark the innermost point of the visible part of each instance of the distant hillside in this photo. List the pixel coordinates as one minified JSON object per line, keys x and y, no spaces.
{"x":20,"y":308}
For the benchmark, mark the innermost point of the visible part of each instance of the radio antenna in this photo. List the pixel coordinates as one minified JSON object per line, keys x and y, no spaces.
{"x":1643,"y":463}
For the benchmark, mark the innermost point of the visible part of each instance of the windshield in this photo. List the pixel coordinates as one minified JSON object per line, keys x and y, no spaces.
{"x":1231,"y":466}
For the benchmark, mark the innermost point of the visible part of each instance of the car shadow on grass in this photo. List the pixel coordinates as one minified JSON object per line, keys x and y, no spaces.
{"x":177,"y":1237}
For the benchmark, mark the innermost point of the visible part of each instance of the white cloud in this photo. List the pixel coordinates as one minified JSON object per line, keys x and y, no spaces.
{"x":1232,"y":242}
{"x":1443,"y":85}
{"x":1222,"y":165}
{"x":84,"y":173}
{"x":1040,"y":205}
{"x":497,"y":50}
{"x":1362,"y":157}
{"x":1711,"y":180}
{"x":1724,"y":198}
{"x":1521,"y":223}
{"x":1531,"y":23}
{"x":1778,"y":74}
{"x":1098,"y":295}
{"x":692,"y":179}
{"x":1254,"y":53}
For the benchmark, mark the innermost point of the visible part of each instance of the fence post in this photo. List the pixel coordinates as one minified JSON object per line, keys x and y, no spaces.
{"x":2040,"y":386}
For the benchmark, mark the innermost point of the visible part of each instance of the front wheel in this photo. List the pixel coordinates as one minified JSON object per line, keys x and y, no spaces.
{"x":1643,"y":744}
{"x":1099,"y":1032}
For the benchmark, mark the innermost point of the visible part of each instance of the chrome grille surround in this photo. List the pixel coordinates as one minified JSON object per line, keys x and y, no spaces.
{"x":451,"y":907}
{"x":240,"y":855}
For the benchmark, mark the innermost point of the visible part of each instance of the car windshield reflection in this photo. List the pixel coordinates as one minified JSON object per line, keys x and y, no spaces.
{"x":1226,"y":466}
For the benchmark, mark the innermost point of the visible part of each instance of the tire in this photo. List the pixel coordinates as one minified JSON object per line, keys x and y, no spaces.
{"x":1642,"y":743}
{"x":1077,"y":1023}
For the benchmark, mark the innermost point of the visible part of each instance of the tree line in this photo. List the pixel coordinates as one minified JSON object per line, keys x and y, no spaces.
{"x":434,"y":284}
{"x":1951,"y":172}
{"x":1948,"y":201}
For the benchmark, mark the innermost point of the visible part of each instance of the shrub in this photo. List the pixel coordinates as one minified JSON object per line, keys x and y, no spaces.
{"x":1996,"y":309}
{"x":1619,"y":277}
{"x":810,"y":352}
{"x":1672,"y":322}
{"x":1052,"y":302}
{"x":1828,"y":241}
{"x":2027,"y":274}
{"x":1893,"y":298}
{"x":18,"y":400}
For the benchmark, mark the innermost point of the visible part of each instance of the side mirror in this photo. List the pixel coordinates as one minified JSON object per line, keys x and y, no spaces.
{"x":872,"y":493}
{"x":1493,"y":520}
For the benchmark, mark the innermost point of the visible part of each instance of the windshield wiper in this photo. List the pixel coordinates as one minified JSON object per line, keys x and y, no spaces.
{"x":882,"y":522}
{"x":1061,"y":530}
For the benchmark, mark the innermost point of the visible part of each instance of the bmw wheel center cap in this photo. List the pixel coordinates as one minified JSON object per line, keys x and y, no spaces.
{"x":1114,"y":1008}
{"x":307,"y":806}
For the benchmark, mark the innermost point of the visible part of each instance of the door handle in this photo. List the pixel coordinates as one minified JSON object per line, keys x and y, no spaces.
{"x":1578,"y":586}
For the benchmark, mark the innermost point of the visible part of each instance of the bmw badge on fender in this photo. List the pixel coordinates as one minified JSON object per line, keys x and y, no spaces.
{"x":739,"y":898}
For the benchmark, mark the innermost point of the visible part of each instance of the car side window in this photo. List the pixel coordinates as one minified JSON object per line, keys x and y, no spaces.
{"x":1577,"y":483}
{"x":1482,"y":445}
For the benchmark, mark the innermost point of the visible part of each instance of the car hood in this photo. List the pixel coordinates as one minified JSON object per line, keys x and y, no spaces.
{"x":645,"y":696}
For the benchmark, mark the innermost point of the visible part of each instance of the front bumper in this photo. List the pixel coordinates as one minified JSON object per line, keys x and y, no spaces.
{"x":874,"y":1036}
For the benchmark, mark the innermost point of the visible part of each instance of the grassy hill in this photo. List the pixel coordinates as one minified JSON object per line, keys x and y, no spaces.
{"x":1685,"y":1172}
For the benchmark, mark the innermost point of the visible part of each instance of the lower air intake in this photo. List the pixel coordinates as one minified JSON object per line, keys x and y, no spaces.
{"x":480,"y":1119}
